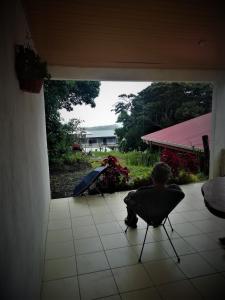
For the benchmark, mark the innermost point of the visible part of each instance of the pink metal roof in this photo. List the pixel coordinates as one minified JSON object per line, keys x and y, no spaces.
{"x":185,"y":135}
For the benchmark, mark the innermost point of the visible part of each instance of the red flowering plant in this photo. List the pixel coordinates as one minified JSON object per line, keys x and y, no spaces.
{"x":170,"y":157}
{"x":115,"y":175}
{"x":190,"y":162}
{"x":180,"y":161}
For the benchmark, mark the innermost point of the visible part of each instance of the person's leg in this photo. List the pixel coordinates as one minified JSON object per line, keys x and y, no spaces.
{"x":131,"y":219}
{"x":128,"y":197}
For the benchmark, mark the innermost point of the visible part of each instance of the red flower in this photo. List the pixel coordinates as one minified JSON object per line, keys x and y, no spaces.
{"x":115,"y":173}
{"x":178,"y":161}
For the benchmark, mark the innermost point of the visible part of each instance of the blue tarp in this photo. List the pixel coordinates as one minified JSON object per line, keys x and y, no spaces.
{"x":88,"y":180}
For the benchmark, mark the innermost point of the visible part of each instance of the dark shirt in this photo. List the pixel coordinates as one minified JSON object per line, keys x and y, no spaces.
{"x":154,"y":202}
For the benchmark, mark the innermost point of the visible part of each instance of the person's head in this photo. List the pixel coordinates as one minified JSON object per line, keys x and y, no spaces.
{"x":161,"y":173}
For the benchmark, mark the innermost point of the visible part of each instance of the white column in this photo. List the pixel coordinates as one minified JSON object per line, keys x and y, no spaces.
{"x":218,"y":128}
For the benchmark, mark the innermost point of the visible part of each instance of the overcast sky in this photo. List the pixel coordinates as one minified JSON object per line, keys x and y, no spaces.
{"x":108,"y":96}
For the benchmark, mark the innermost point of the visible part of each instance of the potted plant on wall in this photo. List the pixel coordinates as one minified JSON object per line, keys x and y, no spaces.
{"x":30,"y":69}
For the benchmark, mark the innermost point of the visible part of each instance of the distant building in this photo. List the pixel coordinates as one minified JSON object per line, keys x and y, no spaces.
{"x":101,"y":138}
{"x":185,"y":136}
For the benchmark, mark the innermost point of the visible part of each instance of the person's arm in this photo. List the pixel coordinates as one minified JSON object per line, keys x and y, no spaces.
{"x":175,"y":188}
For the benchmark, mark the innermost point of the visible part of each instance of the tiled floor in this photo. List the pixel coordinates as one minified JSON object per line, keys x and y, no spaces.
{"x":88,"y":256}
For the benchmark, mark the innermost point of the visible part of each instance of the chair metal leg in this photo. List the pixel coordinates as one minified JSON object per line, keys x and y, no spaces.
{"x":167,"y":218}
{"x":99,"y":191}
{"x":139,"y":260}
{"x":178,"y":258}
{"x":170,"y":223}
{"x":126,"y":229}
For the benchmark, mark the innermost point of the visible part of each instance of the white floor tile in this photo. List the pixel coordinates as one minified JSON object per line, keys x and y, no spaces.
{"x":164,"y":271}
{"x":116,"y":240}
{"x":82,"y":221}
{"x":215,"y":258}
{"x":131,"y":278}
{"x":97,"y":285}
{"x":151,"y":251}
{"x":92,"y":262}
{"x":194,"y":265}
{"x":59,"y":214}
{"x":201,"y":242}
{"x":59,"y":224}
{"x":108,"y":228}
{"x":211,"y":287}
{"x":88,"y":223}
{"x":114,"y":297}
{"x":207,"y":226}
{"x":103,"y":218}
{"x":63,"y":289}
{"x":186,"y":229}
{"x":145,"y":294}
{"x":60,"y":268}
{"x":121,"y":257}
{"x":83,"y":232}
{"x":64,"y":235}
{"x":181,"y":246}
{"x":79,"y":211}
{"x":136,"y":236}
{"x":59,"y":250}
{"x":89,"y":245}
{"x":179,"y":290}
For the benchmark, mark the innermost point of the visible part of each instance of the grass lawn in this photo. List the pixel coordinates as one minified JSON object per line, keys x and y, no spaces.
{"x":140,"y":165}
{"x":134,"y":161}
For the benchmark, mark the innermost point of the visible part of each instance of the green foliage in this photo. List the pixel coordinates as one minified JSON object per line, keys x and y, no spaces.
{"x":65,"y":94}
{"x":139,"y":158}
{"x":115,"y":175}
{"x":185,"y":177}
{"x":158,"y":106}
{"x":70,"y":161}
{"x":29,"y":65}
{"x":140,"y":171}
{"x":72,"y":158}
{"x":140,"y":166}
{"x":132,"y":158}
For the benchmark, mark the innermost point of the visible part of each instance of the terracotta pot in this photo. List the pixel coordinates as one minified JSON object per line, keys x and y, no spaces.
{"x":31,"y":85}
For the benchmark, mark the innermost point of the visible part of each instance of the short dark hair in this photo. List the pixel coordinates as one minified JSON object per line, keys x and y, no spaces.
{"x":161,"y":172}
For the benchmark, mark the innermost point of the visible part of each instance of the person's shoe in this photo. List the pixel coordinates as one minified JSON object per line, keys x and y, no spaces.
{"x":132,"y":225}
{"x":222,"y":241}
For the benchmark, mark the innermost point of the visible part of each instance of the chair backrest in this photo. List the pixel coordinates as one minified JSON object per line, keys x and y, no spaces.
{"x":154,"y":205}
{"x":88,"y":180}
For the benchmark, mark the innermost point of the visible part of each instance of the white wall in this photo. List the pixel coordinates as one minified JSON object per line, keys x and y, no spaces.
{"x":24,"y":178}
{"x":218,"y":129}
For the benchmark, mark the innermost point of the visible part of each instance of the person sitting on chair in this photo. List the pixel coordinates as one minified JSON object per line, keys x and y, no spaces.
{"x":152,"y":198}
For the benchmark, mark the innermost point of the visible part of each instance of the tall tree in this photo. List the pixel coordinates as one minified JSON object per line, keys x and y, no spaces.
{"x":64,"y":94}
{"x":158,"y":106}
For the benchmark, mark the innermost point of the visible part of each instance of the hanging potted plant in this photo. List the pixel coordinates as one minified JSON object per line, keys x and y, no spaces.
{"x":30,"y":69}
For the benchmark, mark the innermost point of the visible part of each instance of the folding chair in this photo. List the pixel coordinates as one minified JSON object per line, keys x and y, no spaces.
{"x":88,"y":180}
{"x":154,"y":208}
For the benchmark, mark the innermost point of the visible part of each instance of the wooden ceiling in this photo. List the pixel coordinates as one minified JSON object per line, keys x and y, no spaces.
{"x":163,"y":34}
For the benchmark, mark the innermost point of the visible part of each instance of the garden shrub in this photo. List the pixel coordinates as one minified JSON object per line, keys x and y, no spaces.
{"x":140,"y":165}
{"x":115,"y":175}
{"x":186,"y":177}
{"x":72,"y":158}
{"x":70,"y":161}
{"x":139,"y":158}
{"x":140,"y":182}
{"x":180,"y":161}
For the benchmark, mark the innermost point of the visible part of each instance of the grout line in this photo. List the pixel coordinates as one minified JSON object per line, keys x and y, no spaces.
{"x":104,"y":250}
{"x":78,"y":283}
{"x":131,"y":245}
